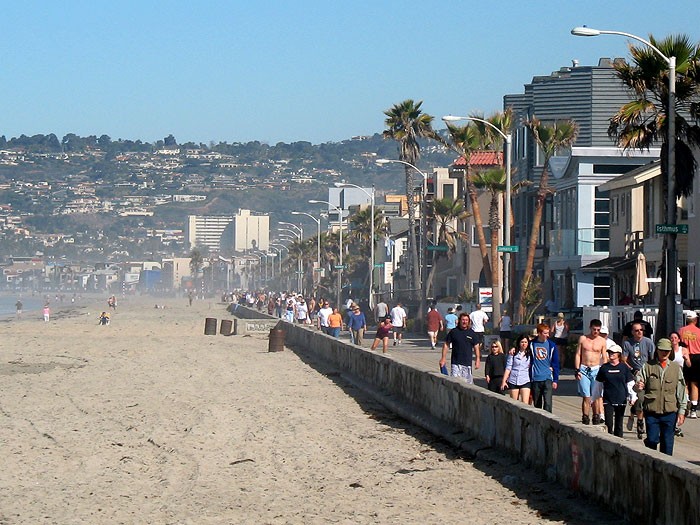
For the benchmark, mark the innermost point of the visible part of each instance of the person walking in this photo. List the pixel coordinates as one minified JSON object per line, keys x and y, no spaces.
{"x":636,"y":351}
{"x":47,"y":313}
{"x":516,"y":378}
{"x":450,"y":319}
{"x":560,"y":335}
{"x":462,"y":340}
{"x":665,"y":399}
{"x":322,"y":318}
{"x":381,"y":310}
{"x":479,"y":318}
{"x":545,"y":368}
{"x":335,"y":323}
{"x":398,"y":321}
{"x":495,"y":367}
{"x":590,"y":353}
{"x":618,"y":385}
{"x":384,"y":329}
{"x":505,"y":329}
{"x":357,"y":324}
{"x":434,"y":324}
{"x":690,"y":335}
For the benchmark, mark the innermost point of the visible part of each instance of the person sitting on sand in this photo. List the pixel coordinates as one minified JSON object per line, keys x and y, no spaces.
{"x":103,"y":319}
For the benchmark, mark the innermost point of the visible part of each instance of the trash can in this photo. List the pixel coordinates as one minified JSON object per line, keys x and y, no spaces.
{"x":276,"y":340}
{"x":226,"y":327}
{"x":210,"y":325}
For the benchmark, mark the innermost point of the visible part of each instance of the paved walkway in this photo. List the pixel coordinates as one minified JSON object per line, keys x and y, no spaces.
{"x":416,"y":352}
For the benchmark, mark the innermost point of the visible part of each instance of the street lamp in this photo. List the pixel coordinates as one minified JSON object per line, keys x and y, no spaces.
{"x":671,"y":252}
{"x":371,"y":197}
{"x":340,"y":245}
{"x":423,"y":228}
{"x":294,"y":235}
{"x":279,"y":248}
{"x":506,"y":208}
{"x":318,"y":242}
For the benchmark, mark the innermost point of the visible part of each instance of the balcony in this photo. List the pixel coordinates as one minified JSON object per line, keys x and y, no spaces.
{"x":584,"y":241}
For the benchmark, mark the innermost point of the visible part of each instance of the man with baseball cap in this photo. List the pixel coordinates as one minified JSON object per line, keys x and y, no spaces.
{"x":690,"y":335}
{"x":665,"y":399}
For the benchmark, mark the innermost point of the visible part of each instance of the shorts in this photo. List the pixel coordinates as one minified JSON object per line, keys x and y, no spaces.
{"x":479,"y":339}
{"x":433,"y":334}
{"x":561,"y":341}
{"x":527,"y":385}
{"x":694,"y":370}
{"x":587,"y":382}
{"x":397,"y":329}
{"x":506,"y":335}
{"x":463,"y":371}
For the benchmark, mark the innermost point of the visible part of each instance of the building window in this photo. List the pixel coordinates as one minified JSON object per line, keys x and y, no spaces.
{"x":601,"y":290}
{"x":601,"y":223}
{"x":615,"y":210}
{"x":487,"y":234}
{"x":448,"y":191}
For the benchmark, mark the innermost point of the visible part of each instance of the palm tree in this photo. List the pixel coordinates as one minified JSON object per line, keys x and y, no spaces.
{"x":550,"y":137}
{"x":643,"y":121}
{"x":446,"y":212}
{"x":360,"y":237}
{"x":493,"y":181}
{"x":466,"y":140}
{"x":406,"y":123}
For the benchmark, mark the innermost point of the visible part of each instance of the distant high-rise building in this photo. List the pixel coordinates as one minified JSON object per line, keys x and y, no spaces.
{"x":251,"y":231}
{"x":206,"y":230}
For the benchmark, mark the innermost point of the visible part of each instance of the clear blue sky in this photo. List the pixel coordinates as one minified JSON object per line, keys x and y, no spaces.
{"x":273,"y":71}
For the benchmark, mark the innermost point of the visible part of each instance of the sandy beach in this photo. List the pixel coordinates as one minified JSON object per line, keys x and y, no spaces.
{"x":148,"y":420}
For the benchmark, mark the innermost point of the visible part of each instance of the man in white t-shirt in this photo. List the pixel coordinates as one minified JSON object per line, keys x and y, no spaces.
{"x":322,"y":317}
{"x":398,"y":322}
{"x":479,"y":320}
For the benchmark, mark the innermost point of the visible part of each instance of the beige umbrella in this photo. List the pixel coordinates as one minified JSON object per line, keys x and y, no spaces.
{"x":641,"y":286}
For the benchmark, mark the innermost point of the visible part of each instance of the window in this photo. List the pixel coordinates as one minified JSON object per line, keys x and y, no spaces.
{"x":601,"y":290}
{"x":601,"y":221}
{"x":487,"y":234}
{"x":448,"y":191}
{"x":615,"y":210}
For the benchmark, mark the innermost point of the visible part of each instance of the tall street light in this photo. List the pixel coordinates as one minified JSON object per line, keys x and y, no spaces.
{"x":371,"y":256}
{"x":421,"y":247}
{"x":506,"y":208}
{"x":671,"y":253}
{"x":294,"y":235}
{"x":318,"y":243}
{"x":279,"y":248}
{"x":340,"y":245}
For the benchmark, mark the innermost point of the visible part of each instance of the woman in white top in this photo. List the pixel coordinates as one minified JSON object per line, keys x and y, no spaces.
{"x":560,"y":335}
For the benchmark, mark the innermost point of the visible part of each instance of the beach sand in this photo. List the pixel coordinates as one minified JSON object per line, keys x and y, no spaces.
{"x":148,"y":420}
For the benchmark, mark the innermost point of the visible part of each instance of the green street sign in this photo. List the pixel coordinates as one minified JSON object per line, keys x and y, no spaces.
{"x":437,"y":248}
{"x":672,"y":228}
{"x":318,"y":269}
{"x":510,"y":249}
{"x":341,"y":266}
{"x":379,"y":265}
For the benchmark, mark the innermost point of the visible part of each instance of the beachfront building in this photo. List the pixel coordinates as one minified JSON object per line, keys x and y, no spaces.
{"x":575,"y":230}
{"x":206,"y":231}
{"x":251,"y":231}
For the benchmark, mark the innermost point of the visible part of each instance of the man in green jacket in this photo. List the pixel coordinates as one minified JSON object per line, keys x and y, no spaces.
{"x":665,"y":398}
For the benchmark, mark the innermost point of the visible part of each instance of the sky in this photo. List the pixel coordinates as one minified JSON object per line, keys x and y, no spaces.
{"x":286,"y":71}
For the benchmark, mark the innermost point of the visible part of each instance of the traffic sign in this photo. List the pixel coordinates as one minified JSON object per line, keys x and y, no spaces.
{"x":341,"y":266}
{"x":379,"y":265}
{"x":318,"y":269}
{"x":437,"y":248}
{"x":510,"y":249}
{"x":672,"y":228}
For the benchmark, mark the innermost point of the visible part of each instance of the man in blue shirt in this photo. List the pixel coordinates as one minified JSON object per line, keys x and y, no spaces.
{"x":545,"y":368}
{"x":463,"y":341}
{"x":450,"y":319}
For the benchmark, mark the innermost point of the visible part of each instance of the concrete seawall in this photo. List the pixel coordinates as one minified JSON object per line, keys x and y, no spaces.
{"x":645,"y":486}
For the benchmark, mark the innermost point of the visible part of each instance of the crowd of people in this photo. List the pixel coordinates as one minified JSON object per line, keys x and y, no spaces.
{"x":658,"y":381}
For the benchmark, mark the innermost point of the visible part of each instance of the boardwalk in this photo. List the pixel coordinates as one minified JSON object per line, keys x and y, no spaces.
{"x":415,"y":351}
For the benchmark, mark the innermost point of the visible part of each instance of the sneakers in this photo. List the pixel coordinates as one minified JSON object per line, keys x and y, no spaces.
{"x":596,"y":419}
{"x":585,"y":419}
{"x":693,"y":414}
{"x":640,"y":429}
{"x":630,"y":423}
{"x":678,"y":432}
{"x":394,"y":342}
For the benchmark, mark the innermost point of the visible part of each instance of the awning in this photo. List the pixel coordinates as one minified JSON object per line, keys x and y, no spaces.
{"x":610,"y":265}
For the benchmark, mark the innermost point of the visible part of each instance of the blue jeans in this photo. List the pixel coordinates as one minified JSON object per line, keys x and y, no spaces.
{"x":335,"y":332}
{"x":542,"y":394}
{"x":660,"y":430}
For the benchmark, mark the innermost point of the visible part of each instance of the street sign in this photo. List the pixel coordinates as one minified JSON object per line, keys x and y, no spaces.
{"x":437,"y":248}
{"x":672,"y":228}
{"x":510,"y":249}
{"x":379,"y":265}
{"x":341,"y":266}
{"x":318,"y":269}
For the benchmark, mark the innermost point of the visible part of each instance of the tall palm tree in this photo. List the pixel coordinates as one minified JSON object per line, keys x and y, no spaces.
{"x":446,"y":212}
{"x":466,"y":140}
{"x":550,"y":137}
{"x":406,"y":123}
{"x":493,"y":181}
{"x":360,"y":237}
{"x":643,"y":121}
